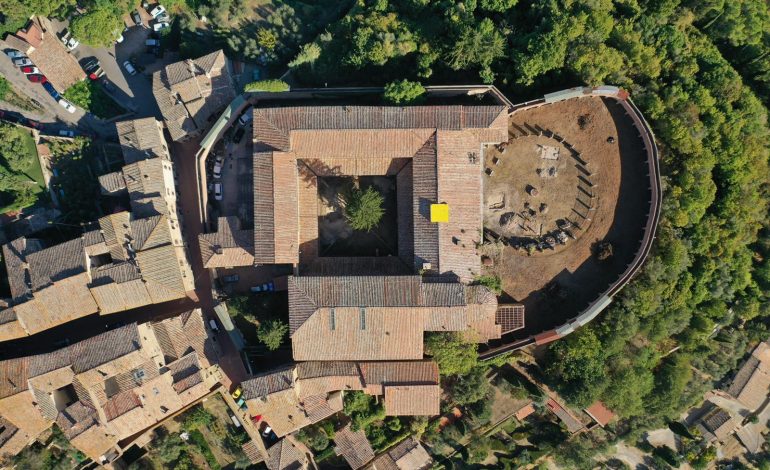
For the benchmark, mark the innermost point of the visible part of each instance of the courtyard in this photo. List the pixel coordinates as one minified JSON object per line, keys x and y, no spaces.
{"x":337,"y":237}
{"x":564,"y":207}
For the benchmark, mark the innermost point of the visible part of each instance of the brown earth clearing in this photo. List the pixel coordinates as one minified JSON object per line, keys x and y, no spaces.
{"x":586,"y":163}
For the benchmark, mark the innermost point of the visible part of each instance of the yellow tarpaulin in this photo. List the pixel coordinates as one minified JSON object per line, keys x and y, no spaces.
{"x":439,"y":213}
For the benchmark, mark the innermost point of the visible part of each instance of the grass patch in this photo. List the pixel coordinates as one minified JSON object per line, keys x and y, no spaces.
{"x":22,"y":182}
{"x":9,"y":94}
{"x":196,"y":437}
{"x":91,"y":97}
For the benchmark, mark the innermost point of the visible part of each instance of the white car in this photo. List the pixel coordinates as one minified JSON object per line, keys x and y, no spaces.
{"x":129,"y":67}
{"x":218,"y":191}
{"x":217,"y":170}
{"x":119,"y":39}
{"x":14,"y":54}
{"x":157,"y":11}
{"x":66,"y":133}
{"x":22,"y":62}
{"x":67,"y":105}
{"x":160,"y":26}
{"x":72,"y":43}
{"x":248,"y":115}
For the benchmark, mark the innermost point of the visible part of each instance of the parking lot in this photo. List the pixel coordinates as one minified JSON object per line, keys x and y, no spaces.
{"x":237,"y":175}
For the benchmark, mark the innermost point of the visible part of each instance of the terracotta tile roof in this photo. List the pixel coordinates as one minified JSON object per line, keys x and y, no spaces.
{"x":56,"y":263}
{"x":412,"y":400}
{"x":120,"y":404}
{"x":76,"y":419}
{"x":370,"y":140}
{"x":15,"y":257}
{"x":141,"y":139}
{"x":523,"y":412}
{"x":112,"y":183}
{"x":319,"y":407}
{"x":147,"y":187}
{"x":752,"y":382}
{"x":251,"y":449}
{"x":105,"y":347}
{"x":378,"y":374}
{"x":717,"y":425}
{"x":189,"y":92}
{"x":275,"y":124}
{"x":19,"y":44}
{"x":268,"y":383}
{"x":52,"y":58}
{"x":353,"y":446}
{"x":600,"y":413}
{"x":227,"y":247}
{"x":283,"y":455}
{"x":354,"y":333}
{"x":316,"y":369}
{"x":347,"y":266}
{"x":381,"y":317}
{"x":408,"y":454}
{"x":573,"y":424}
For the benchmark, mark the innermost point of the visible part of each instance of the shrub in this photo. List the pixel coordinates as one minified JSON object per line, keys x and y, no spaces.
{"x":491,"y":282}
{"x":363,"y":209}
{"x":315,"y":437}
{"x":267,"y":85}
{"x":403,"y":92}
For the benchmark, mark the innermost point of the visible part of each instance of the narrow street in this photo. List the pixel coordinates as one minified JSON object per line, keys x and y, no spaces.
{"x":183,"y":155}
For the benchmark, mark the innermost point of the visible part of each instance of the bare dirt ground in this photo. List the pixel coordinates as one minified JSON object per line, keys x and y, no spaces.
{"x":556,"y":284}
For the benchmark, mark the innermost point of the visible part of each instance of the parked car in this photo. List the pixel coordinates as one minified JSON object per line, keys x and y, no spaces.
{"x":217,"y":170}
{"x":66,"y":133}
{"x":247,"y":116}
{"x":239,"y":135}
{"x":213,"y":325}
{"x":231,"y":278}
{"x":36,"y":78}
{"x":157,"y":11}
{"x":67,"y":105}
{"x":72,"y":43}
{"x":69,"y":41}
{"x":107,"y":85}
{"x":160,"y":26}
{"x":51,"y":91}
{"x":14,"y":54}
{"x":152,"y":42}
{"x":129,"y":67}
{"x":30,"y":71}
{"x":218,"y":191}
{"x":119,"y":39}
{"x":22,"y":62}
{"x":237,"y":392}
{"x":136,"y":17}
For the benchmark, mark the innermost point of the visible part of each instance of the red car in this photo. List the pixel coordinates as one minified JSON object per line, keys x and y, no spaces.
{"x":37,"y":78}
{"x":30,"y":70}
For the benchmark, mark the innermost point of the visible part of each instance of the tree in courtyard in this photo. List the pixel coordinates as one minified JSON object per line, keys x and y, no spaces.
{"x":453,"y":355}
{"x":267,"y":39}
{"x":403,"y":92}
{"x":272,"y":333}
{"x":363,"y":209}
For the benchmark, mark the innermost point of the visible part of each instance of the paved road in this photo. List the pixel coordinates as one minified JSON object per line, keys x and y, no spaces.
{"x":132,"y":92}
{"x":51,"y":111}
{"x":183,"y":155}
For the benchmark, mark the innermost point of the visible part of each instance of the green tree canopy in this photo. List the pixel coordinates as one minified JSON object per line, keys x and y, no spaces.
{"x":272,"y":333}
{"x":307,"y":54}
{"x":97,"y":27}
{"x":453,"y":355}
{"x":403,"y":92}
{"x":363,"y":208}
